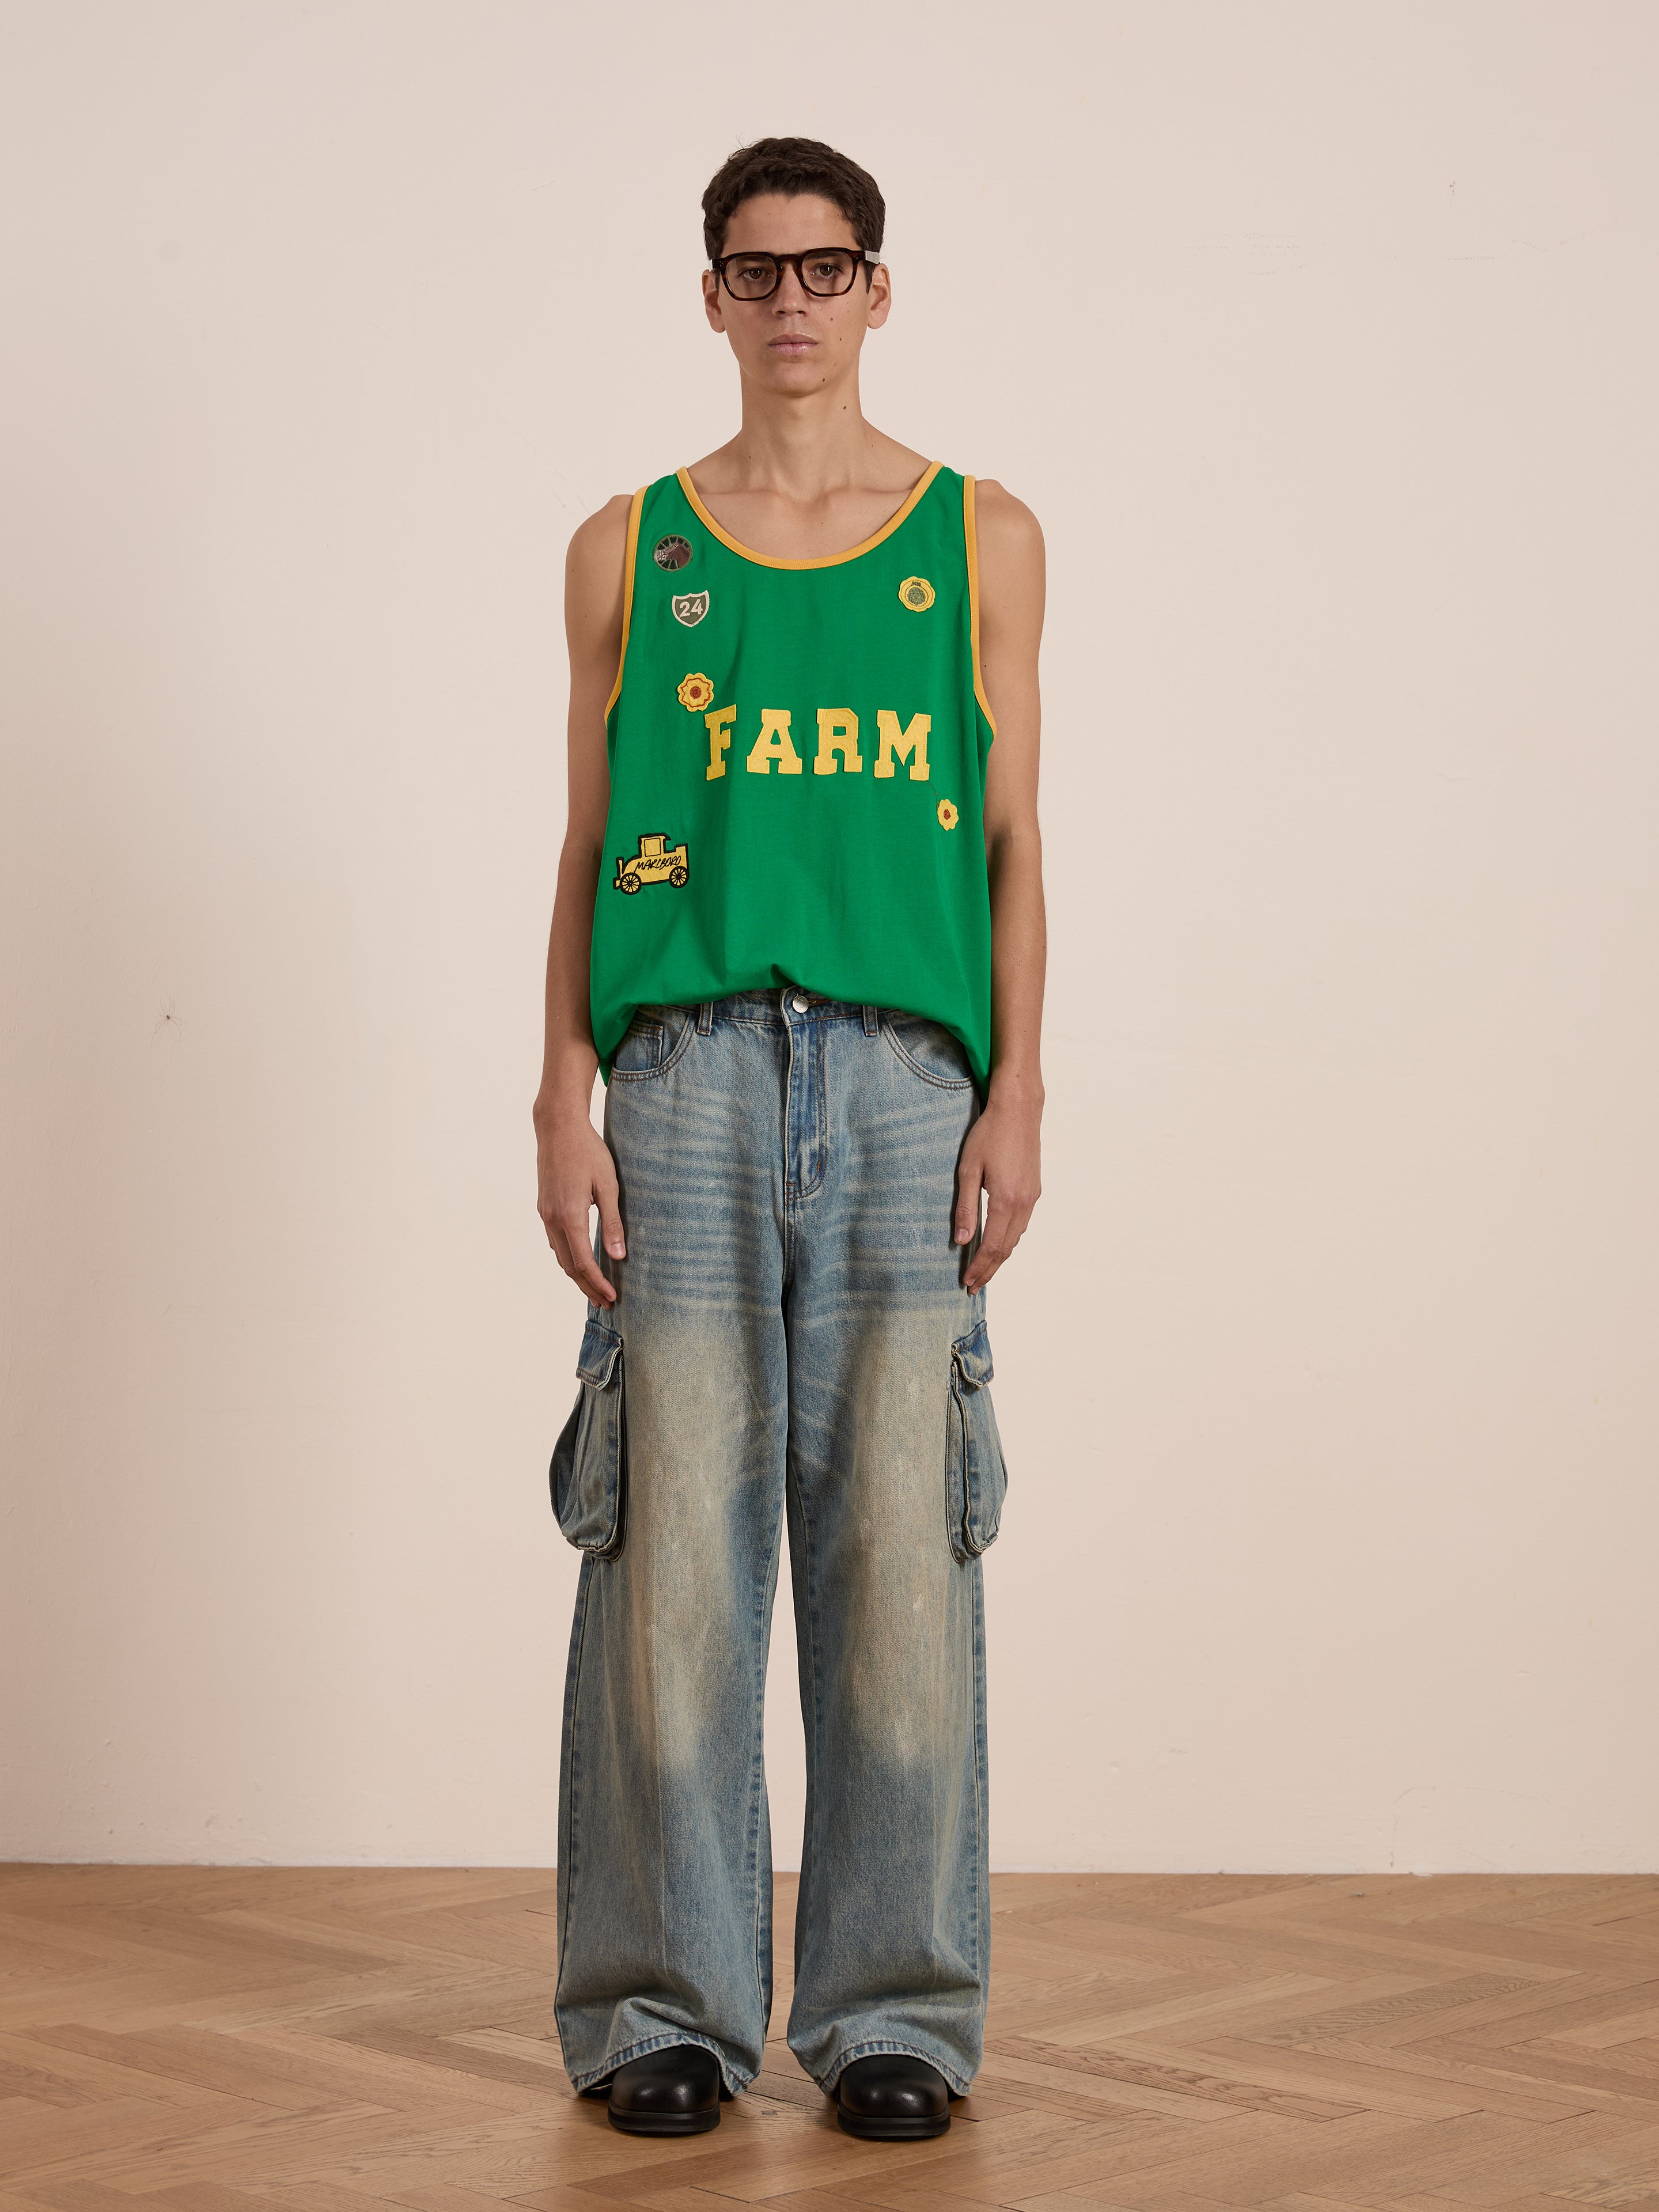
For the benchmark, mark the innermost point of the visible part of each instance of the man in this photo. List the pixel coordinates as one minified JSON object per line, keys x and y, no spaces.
{"x":799,"y":929}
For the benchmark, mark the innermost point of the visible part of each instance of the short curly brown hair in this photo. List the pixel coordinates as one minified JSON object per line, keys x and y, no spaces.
{"x":793,"y":166}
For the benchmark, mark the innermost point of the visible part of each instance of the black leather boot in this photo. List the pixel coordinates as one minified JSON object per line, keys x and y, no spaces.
{"x":676,"y":2091}
{"x":890,"y":2097}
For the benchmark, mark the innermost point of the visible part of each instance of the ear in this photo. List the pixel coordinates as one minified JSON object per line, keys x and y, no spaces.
{"x":711,"y":301}
{"x":881,"y":297}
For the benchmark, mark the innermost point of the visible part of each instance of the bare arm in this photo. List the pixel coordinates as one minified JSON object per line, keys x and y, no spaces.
{"x":1002,"y":1154}
{"x":574,"y":1170}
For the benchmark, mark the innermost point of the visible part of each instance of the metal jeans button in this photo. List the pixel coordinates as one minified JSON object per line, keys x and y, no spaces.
{"x":798,"y":1003}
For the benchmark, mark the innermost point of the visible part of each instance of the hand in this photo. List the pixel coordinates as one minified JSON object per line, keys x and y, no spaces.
{"x":574,"y":1171}
{"x":1002,"y":1154}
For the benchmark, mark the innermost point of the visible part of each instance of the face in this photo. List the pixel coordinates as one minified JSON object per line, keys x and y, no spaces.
{"x":794,"y":342}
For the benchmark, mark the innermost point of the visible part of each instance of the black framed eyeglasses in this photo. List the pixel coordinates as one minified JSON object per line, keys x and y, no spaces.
{"x":825,"y":272}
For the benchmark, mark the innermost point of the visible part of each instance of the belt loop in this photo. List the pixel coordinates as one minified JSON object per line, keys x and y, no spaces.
{"x":705,"y":1016}
{"x":869,"y":1021}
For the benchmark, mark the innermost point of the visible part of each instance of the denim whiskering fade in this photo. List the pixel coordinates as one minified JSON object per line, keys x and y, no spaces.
{"x":791,"y":1340}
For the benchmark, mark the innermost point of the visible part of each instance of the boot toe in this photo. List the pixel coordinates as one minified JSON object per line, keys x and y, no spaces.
{"x":890,"y":2097}
{"x":673,"y":2092}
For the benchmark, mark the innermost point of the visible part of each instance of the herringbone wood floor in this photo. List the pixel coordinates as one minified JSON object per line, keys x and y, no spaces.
{"x":200,"y":2039}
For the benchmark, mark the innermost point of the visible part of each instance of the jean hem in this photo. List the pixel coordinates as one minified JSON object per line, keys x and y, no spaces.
{"x":879,"y":2047}
{"x":592,"y":2075}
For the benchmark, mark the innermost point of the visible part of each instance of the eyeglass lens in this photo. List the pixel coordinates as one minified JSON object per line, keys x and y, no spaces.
{"x":755,"y":275}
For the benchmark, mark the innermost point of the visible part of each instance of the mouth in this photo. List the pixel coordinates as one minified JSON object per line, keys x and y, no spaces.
{"x":792,"y":344}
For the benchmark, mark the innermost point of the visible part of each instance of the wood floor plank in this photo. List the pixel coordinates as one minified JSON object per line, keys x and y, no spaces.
{"x":1525,"y":2094}
{"x":1331,"y":2086}
{"x":46,"y":2195}
{"x":445,"y":2196}
{"x":1448,"y":2087}
{"x":35,"y":2139}
{"x":323,"y":2196}
{"x":1147,"y":2070}
{"x":328,"y":2196}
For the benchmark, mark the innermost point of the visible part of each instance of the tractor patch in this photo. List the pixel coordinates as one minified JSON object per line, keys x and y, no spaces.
{"x":657,"y":861}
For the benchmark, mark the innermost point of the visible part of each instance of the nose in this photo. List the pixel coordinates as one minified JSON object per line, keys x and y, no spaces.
{"x":791,"y":296}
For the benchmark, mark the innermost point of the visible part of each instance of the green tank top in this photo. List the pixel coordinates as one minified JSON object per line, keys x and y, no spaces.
{"x":798,"y":753}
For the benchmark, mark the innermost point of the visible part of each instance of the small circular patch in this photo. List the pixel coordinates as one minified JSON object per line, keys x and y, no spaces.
{"x":695,"y":692}
{"x":948,"y":817}
{"x":917,"y":594}
{"x":672,"y":552}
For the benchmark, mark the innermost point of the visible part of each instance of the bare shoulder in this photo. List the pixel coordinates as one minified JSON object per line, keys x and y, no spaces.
{"x":593,"y":567}
{"x":1011,"y":581}
{"x":597,"y":545}
{"x":1008,"y":531}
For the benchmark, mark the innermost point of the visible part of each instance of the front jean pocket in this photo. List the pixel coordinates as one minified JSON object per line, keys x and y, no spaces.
{"x":975,"y":1478}
{"x":656,"y":1040}
{"x":929,"y":1049}
{"x":639,"y":1051}
{"x":589,"y":1474}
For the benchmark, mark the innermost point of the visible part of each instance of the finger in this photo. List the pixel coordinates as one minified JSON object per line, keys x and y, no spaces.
{"x":610,"y":1228}
{"x":1018,"y":1221}
{"x":970,"y":1175}
{"x":999,"y":1240}
{"x":583,"y":1268}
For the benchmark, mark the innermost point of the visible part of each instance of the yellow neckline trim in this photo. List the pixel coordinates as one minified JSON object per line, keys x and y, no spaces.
{"x":829,"y":560}
{"x":627,"y":593}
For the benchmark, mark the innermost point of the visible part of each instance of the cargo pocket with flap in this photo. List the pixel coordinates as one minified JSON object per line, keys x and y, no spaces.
{"x":975,"y":1478}
{"x":589,"y":1474}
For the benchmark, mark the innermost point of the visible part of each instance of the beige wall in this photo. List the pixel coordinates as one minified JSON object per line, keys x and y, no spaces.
{"x":1322,"y":338}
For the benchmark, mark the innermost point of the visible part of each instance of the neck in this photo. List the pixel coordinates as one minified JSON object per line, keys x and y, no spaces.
{"x":804,"y":445}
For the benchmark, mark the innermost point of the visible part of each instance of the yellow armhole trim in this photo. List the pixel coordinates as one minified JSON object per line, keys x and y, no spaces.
{"x":973,"y":598}
{"x":633,"y":513}
{"x":829,"y":560}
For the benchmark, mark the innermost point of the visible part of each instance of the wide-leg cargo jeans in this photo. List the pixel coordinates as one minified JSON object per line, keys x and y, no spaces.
{"x":791,"y":1341}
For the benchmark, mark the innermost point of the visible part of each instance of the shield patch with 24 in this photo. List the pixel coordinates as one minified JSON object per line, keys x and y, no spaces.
{"x":690,"y":607}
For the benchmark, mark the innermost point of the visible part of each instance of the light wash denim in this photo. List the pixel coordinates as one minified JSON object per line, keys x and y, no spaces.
{"x":791,"y":1337}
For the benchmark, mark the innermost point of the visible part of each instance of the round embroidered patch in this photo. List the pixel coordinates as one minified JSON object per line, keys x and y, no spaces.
{"x":695,"y":692}
{"x":917,"y":593}
{"x":672,"y":552}
{"x":948,"y":817}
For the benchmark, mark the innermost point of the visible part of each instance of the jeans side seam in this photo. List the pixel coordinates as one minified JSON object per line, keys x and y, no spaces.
{"x":812,"y":1857}
{"x":762,"y":1906}
{"x":975,"y":1659}
{"x":568,"y":1840}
